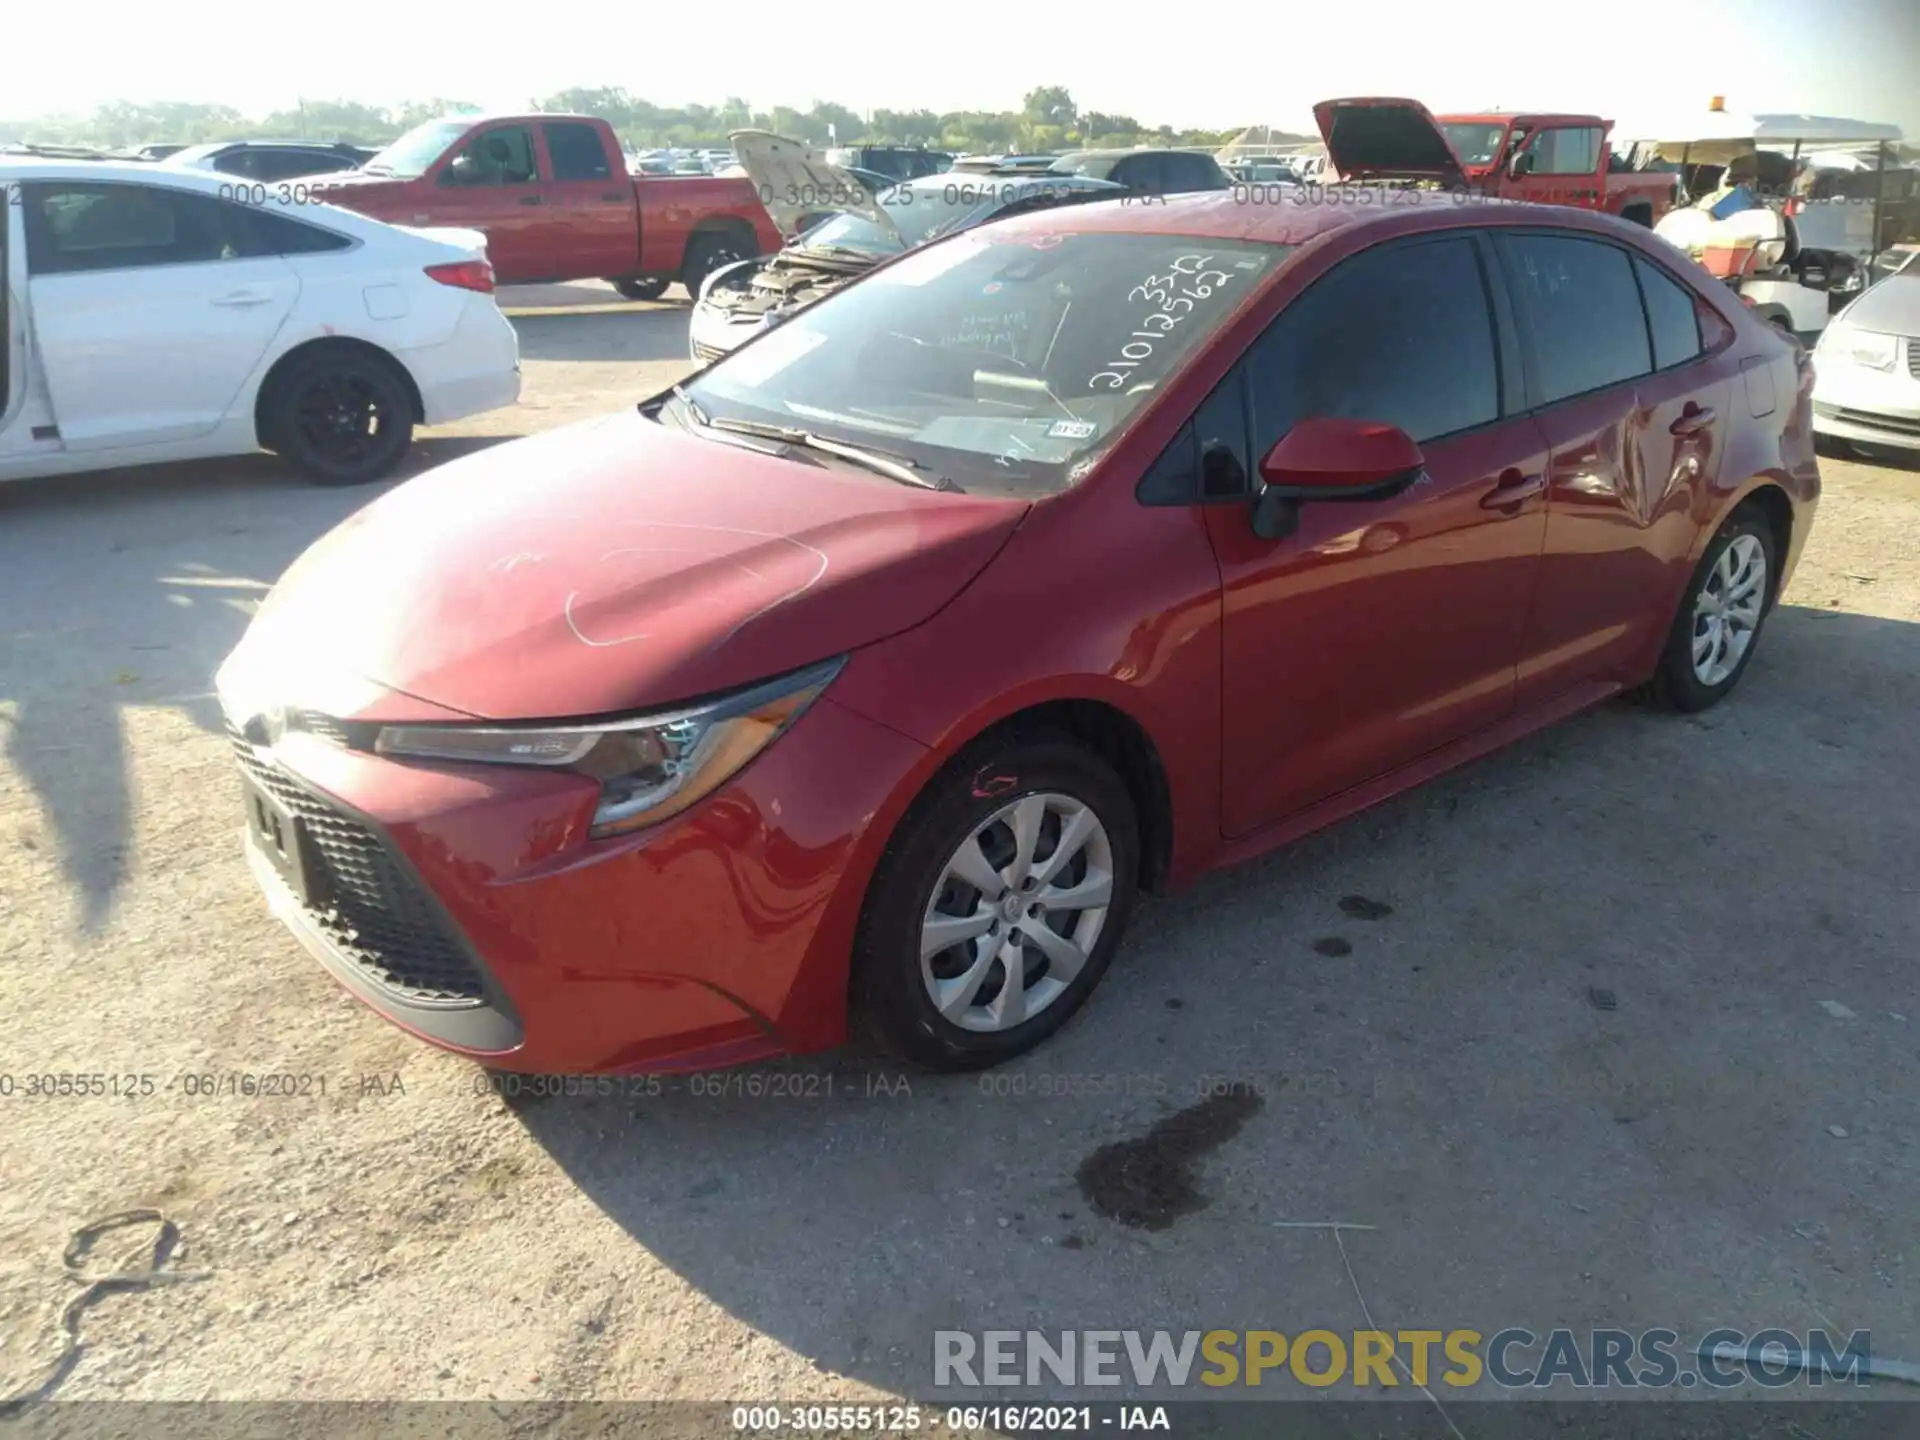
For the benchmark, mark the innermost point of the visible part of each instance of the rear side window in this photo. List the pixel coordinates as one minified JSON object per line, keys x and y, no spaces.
{"x":292,"y":164}
{"x":576,"y":152}
{"x":1402,"y":334}
{"x":74,"y":227}
{"x":1672,"y":316}
{"x":1580,"y":305}
{"x":1192,"y":172}
{"x":276,"y":234}
{"x":1143,"y":173}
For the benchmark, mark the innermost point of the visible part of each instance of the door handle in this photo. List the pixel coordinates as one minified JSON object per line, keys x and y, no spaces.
{"x":1692,"y":421}
{"x":1513,"y":487}
{"x":240,"y":298}
{"x":530,"y":200}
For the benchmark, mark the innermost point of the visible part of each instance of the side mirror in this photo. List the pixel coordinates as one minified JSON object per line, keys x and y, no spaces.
{"x":1332,"y":458}
{"x":460,"y":171}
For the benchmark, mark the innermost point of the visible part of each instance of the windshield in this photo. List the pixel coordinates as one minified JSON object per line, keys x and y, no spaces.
{"x":408,"y":157}
{"x":1002,"y":359}
{"x":1476,"y":142}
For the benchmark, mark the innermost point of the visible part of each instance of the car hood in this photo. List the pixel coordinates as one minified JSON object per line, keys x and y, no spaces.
{"x":793,"y":180}
{"x":1891,"y":307}
{"x":610,"y":566}
{"x":1383,"y":137}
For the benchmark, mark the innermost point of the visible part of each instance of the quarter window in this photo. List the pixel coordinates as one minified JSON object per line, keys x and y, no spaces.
{"x":1672,"y":316}
{"x":1581,"y":307}
{"x":1401,"y":334}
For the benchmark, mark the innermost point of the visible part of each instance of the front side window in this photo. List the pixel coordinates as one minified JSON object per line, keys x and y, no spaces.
{"x":1581,"y":307}
{"x":1570,"y":150}
{"x":74,"y":227}
{"x":1402,"y":334}
{"x":576,"y":152}
{"x":501,"y":156}
{"x":1002,"y":358}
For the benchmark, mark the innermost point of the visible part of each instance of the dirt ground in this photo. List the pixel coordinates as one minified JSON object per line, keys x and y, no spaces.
{"x":1730,"y":1144}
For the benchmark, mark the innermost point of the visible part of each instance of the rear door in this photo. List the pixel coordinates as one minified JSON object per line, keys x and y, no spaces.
{"x":1377,"y":631}
{"x":492,"y":184}
{"x":150,"y":306}
{"x":1634,"y":406}
{"x":592,"y":207}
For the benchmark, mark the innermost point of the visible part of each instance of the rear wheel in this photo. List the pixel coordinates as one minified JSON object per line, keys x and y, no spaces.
{"x":1726,"y":602}
{"x":999,"y":903}
{"x":647,"y":287}
{"x":707,"y":253}
{"x":340,"y":418}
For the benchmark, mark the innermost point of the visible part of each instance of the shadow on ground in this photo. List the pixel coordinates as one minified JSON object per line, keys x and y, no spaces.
{"x":124,"y":589}
{"x":643,"y":334}
{"x":1569,"y":1060}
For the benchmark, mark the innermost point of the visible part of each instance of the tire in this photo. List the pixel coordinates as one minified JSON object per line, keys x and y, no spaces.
{"x":1641,"y":215}
{"x":707,"y":252}
{"x":310,"y":419}
{"x":645,"y":287}
{"x":977,"y":801}
{"x":1679,"y":683}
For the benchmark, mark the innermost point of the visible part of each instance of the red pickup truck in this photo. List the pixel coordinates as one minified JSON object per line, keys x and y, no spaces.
{"x":554,"y":199}
{"x":1549,"y":159}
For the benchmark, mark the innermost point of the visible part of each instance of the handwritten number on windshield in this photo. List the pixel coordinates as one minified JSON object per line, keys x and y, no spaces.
{"x":1187,"y":280}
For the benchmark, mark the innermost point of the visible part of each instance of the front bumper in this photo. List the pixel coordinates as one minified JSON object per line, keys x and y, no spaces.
{"x":1881,"y":407}
{"x":720,"y":936}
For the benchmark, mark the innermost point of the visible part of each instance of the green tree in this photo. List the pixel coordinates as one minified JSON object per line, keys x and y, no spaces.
{"x":1050,"y":105}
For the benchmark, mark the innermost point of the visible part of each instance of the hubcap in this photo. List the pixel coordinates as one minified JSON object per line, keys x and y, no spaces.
{"x":1016,"y":912}
{"x":1728,"y":610}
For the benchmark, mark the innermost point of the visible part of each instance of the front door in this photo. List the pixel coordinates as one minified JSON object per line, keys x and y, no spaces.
{"x":1377,"y":631}
{"x":1559,"y":165}
{"x":492,"y":184}
{"x":150,"y":309}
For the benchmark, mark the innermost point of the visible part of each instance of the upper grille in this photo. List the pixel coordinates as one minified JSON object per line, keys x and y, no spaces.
{"x":369,"y":907}
{"x":706,"y":354}
{"x":1913,"y":356}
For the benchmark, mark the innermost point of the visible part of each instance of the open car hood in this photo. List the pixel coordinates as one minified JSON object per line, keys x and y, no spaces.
{"x":793,"y":181}
{"x":1382,"y":137}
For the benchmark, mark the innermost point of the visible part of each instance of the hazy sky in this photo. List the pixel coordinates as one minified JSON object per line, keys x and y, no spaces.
{"x":1228,"y":63}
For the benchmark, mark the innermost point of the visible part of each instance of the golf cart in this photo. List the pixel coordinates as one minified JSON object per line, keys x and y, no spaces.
{"x":1790,"y":210}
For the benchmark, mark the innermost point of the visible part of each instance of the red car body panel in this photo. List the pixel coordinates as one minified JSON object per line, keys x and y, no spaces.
{"x":725,"y":933}
{"x":550,"y":230}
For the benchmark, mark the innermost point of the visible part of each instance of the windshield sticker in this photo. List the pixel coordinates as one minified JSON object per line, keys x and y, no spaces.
{"x":1189,"y":278}
{"x":758,"y":363}
{"x":1071,"y":430}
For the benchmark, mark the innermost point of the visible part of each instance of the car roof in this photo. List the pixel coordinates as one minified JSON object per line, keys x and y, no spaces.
{"x":1230,"y":215}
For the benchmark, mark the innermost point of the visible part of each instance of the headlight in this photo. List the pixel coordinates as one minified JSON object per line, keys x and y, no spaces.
{"x":649,"y":768}
{"x":1862,"y":347}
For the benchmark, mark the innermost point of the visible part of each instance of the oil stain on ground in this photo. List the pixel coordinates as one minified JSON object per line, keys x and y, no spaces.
{"x":1362,"y":908}
{"x":1147,"y":1182}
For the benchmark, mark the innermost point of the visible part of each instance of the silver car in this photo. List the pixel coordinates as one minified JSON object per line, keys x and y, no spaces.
{"x":1866,"y":387}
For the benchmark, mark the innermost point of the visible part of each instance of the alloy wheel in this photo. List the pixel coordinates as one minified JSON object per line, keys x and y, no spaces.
{"x":342,"y":419}
{"x":1016,"y":912}
{"x":1727,"y":610}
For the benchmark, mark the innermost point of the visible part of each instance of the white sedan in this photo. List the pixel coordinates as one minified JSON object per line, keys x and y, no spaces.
{"x":156,"y":314}
{"x":1866,"y":387}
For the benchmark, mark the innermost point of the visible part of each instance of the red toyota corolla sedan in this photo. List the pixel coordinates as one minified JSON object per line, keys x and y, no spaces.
{"x":881,"y":666}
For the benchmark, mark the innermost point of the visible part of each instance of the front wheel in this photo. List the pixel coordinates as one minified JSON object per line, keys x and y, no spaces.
{"x":1720,"y":617}
{"x":999,"y":904}
{"x":647,"y":287}
{"x":340,"y":419}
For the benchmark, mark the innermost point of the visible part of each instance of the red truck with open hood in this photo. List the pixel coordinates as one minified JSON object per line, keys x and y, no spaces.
{"x":1551,"y":159}
{"x":553,"y":197}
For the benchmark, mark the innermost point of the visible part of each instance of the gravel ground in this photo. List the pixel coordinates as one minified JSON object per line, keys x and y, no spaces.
{"x":1729,"y":1144}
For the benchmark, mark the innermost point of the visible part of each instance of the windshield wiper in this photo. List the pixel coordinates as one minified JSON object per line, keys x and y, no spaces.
{"x":679,"y":392}
{"x":894,"y":467}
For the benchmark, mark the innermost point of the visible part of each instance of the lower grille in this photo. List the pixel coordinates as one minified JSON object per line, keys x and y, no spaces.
{"x":706,"y":354}
{"x":370,"y":909}
{"x":1913,"y":356}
